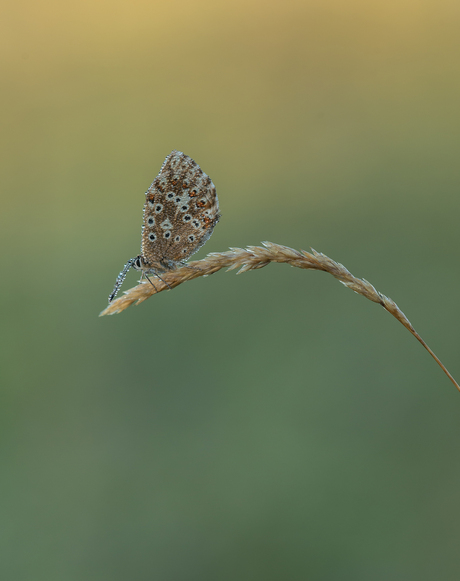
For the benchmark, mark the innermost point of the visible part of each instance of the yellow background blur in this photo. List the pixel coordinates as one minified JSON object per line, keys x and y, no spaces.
{"x":262,"y":427}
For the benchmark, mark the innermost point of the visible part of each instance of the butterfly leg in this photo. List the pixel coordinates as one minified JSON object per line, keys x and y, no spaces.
{"x":158,"y":276}
{"x":143,"y":274}
{"x":184,"y":264}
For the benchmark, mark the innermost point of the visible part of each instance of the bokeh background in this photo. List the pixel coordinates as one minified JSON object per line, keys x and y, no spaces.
{"x":268,"y":426}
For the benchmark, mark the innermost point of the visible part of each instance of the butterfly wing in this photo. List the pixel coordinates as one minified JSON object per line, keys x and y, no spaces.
{"x":180,"y":212}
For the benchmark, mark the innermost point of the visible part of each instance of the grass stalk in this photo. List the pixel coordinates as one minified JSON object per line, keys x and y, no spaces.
{"x":254,"y":257}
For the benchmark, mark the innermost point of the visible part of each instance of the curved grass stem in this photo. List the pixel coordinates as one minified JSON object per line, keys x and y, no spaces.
{"x":254,"y":257}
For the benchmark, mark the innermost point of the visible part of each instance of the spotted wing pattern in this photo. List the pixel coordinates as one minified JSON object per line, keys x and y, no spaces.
{"x":180,"y":212}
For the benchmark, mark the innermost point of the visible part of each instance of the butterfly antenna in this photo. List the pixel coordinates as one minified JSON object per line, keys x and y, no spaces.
{"x":120,"y":278}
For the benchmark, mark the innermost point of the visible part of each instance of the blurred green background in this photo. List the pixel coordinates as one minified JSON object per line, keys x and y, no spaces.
{"x":269,"y":426}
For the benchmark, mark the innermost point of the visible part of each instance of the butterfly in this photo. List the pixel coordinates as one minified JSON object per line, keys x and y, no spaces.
{"x":180,"y":212}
